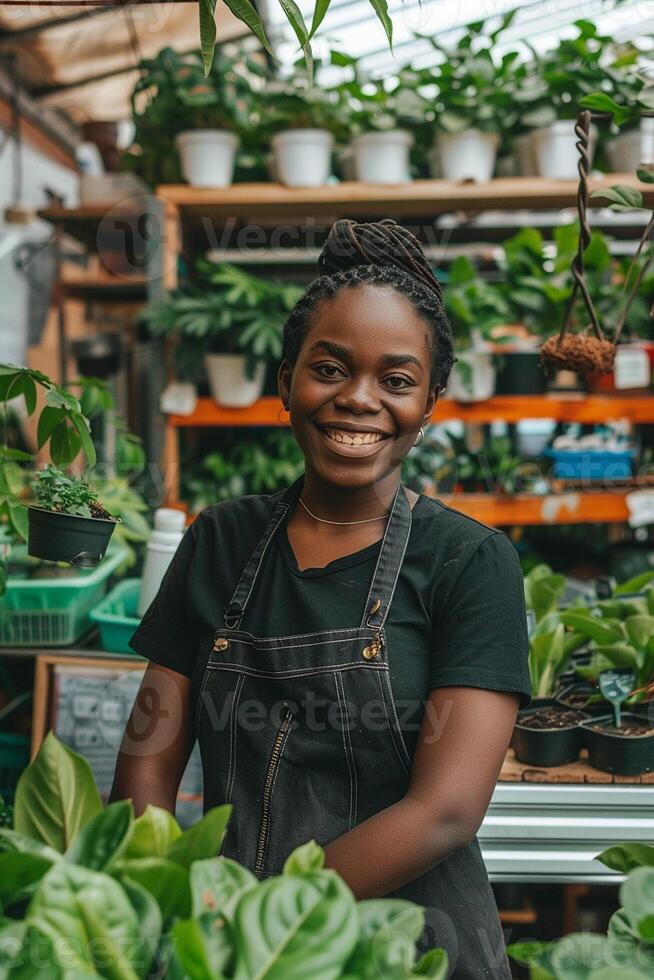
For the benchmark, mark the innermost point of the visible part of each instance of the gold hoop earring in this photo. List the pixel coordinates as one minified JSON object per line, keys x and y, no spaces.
{"x":421,"y":436}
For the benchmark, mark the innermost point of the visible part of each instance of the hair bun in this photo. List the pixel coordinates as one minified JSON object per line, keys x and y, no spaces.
{"x":382,"y":243}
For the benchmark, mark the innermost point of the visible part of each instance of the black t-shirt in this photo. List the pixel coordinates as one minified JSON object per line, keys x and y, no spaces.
{"x":457,"y":617}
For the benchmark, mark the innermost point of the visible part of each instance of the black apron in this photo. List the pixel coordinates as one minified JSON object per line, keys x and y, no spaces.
{"x":301,"y":735}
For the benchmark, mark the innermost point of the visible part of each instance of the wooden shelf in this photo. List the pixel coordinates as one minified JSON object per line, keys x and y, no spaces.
{"x":580,"y":507}
{"x":85,"y":223}
{"x":356,"y":199}
{"x":119,"y":290}
{"x":580,"y":772}
{"x":509,"y":408}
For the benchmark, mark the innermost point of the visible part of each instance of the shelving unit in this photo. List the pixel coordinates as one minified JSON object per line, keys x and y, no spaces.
{"x":207,"y":220}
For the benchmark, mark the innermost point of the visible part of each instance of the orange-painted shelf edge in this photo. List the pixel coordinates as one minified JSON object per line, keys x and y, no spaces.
{"x":583,"y":507}
{"x":509,"y":408}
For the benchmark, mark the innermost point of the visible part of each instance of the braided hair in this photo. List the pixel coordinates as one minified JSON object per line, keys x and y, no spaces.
{"x":381,"y":254}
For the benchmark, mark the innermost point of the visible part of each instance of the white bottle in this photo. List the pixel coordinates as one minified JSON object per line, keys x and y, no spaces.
{"x":169,"y":527}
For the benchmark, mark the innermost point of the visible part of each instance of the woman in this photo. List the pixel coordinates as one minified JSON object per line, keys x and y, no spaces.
{"x":350,"y":654}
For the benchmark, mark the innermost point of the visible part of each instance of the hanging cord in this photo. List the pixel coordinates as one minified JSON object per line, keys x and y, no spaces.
{"x":582,"y":130}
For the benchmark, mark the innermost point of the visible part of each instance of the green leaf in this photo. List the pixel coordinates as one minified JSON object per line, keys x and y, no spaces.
{"x":321,"y":8}
{"x":150,"y":925}
{"x":296,"y":20}
{"x":104,"y":838}
{"x":246,"y":12}
{"x":574,"y":956}
{"x":65,"y":444}
{"x":635,"y":584}
{"x":433,"y":964}
{"x":381,"y":9}
{"x":202,"y":947}
{"x":292,"y":927}
{"x":646,"y":176}
{"x":207,"y":32}
{"x":637,"y":898}
{"x":19,"y":517}
{"x":625,"y":857}
{"x":620,"y":197}
{"x":388,"y":930}
{"x":217,"y":884}
{"x":49,"y":419}
{"x":601,"y":630}
{"x":152,"y":833}
{"x":167,"y":882}
{"x":203,"y":840}
{"x":56,"y":795}
{"x":82,"y":427}
{"x":308,"y":857}
{"x":18,"y":872}
{"x":601,"y":102}
{"x":639,"y":630}
{"x":92,"y":918}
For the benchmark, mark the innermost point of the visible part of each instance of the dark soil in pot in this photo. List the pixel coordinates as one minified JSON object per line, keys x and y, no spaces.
{"x":548,"y":734}
{"x":81,"y":541}
{"x":625,"y":751}
{"x":579,"y":696}
{"x":520,"y":373}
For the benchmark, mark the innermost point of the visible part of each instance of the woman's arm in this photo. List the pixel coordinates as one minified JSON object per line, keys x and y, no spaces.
{"x":157,"y":742}
{"x":461,"y":746}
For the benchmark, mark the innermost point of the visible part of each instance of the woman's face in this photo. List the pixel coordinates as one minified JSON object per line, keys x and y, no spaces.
{"x":360,"y":390}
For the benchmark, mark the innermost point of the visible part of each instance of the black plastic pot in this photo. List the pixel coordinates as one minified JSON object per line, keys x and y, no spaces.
{"x":99,"y":356}
{"x":595,"y":709}
{"x":545,"y":747}
{"x":624,"y":755}
{"x":66,"y":537}
{"x":520,"y":373}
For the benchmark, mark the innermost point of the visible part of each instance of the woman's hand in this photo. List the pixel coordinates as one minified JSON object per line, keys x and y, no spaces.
{"x":462,"y":743}
{"x":157,"y":742}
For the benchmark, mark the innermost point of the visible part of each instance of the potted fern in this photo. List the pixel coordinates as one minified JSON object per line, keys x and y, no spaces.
{"x":229,"y":320}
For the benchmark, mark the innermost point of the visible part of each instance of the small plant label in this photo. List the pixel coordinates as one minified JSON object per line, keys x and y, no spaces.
{"x":632,"y":368}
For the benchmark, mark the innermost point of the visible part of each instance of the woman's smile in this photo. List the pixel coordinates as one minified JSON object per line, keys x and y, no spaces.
{"x":345,"y":442}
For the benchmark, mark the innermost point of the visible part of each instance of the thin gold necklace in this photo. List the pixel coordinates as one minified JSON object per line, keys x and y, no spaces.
{"x":323,"y":521}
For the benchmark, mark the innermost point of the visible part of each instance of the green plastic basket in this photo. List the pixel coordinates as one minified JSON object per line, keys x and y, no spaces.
{"x":117,"y":617}
{"x":49,"y":613}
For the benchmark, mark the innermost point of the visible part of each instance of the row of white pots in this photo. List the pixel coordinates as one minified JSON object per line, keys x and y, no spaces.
{"x":303,"y":157}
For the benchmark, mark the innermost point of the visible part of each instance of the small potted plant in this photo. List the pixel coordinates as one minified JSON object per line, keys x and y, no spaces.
{"x":70,"y":524}
{"x":621,"y":743}
{"x":632,"y":142}
{"x":475,"y":104}
{"x":557,"y":81}
{"x":232,"y":322}
{"x":382,"y":115}
{"x":305,"y":121}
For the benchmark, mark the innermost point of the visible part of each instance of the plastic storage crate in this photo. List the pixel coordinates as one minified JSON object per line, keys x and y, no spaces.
{"x":117,"y":617}
{"x":50,"y":613}
{"x":597,"y":465}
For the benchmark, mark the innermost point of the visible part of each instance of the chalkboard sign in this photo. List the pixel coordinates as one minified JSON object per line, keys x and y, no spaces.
{"x":86,"y":703}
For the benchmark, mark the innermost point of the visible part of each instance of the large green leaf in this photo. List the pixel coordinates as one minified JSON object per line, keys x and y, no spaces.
{"x":381,"y":9}
{"x":92,"y":917}
{"x":202,"y":947}
{"x":635,"y":584}
{"x":307,"y":857}
{"x":19,"y":873}
{"x":150,"y":922}
{"x":246,"y":12}
{"x":82,"y":426}
{"x":625,"y":857}
{"x":207,"y":11}
{"x":152,"y":833}
{"x":104,"y":838}
{"x":639,"y":630}
{"x":620,"y":198}
{"x":321,"y":8}
{"x":576,"y":955}
{"x":217,"y":884}
{"x":296,"y":20}
{"x":433,"y":964}
{"x":600,"y":630}
{"x":637,"y":897}
{"x":292,"y":927}
{"x":388,"y":930}
{"x":55,"y":796}
{"x":203,"y":840}
{"x":167,"y":882}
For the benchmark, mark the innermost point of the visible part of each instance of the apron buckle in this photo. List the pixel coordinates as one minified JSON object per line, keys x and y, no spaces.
{"x":373,"y":650}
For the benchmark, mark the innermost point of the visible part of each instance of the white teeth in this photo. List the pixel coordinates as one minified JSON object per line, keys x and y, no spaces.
{"x":360,"y":439}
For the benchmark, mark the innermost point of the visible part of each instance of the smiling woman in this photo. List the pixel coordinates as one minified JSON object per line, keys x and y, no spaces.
{"x":343,"y":648}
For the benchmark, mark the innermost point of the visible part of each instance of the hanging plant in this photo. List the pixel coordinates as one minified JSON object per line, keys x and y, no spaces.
{"x":589,"y":351}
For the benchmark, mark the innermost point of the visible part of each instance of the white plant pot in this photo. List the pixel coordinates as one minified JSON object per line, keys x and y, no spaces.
{"x":469,"y":155}
{"x":526,"y":154}
{"x":481,"y":384}
{"x":556,"y":150}
{"x":383,"y":158}
{"x":228,"y":383}
{"x":207,"y":157}
{"x":303,"y":156}
{"x":629,"y":150}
